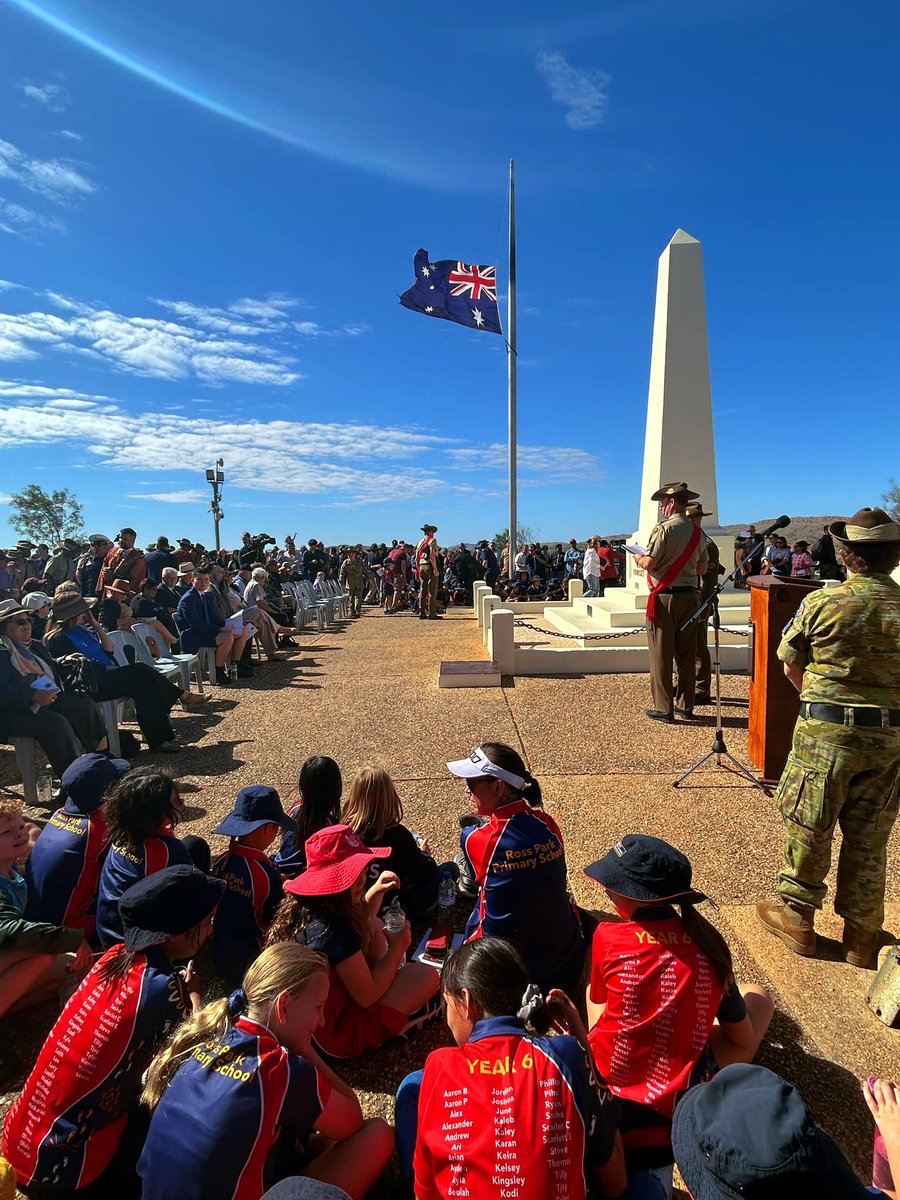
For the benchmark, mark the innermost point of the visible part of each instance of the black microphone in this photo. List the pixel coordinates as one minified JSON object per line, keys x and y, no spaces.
{"x":779,"y":524}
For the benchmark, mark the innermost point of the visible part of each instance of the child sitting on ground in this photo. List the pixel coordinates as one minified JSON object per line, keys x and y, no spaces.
{"x":242,"y":1085}
{"x":142,"y":810}
{"x":63,"y":869}
{"x":77,"y":1128}
{"x":253,"y":888}
{"x":374,"y":811}
{"x":664,"y":1010}
{"x":328,"y":909}
{"x":320,"y":786}
{"x":35,"y":956}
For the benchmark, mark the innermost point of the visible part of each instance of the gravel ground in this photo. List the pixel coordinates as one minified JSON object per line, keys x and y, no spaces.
{"x":367,"y":692}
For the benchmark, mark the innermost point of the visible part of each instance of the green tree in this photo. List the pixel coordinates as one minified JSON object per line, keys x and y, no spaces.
{"x":46,"y":516}
{"x":526,"y":536}
{"x":891,"y":500}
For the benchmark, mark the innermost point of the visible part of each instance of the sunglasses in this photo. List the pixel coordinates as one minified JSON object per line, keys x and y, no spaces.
{"x":22,"y":620}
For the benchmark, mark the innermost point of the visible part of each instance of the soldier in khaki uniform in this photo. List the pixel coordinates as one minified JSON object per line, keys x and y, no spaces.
{"x":670,"y":646}
{"x":355,"y":578}
{"x":708,"y":582}
{"x":841,"y":650}
{"x":427,"y":570}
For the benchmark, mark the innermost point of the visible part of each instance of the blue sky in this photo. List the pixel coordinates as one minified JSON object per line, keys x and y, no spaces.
{"x":208,"y":210}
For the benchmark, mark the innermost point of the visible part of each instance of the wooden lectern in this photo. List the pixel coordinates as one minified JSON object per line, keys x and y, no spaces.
{"x":774,"y":701}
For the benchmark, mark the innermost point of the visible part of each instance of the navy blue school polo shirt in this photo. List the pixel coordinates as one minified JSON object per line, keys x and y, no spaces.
{"x":508,"y":1114}
{"x":520,"y":866}
{"x":253,"y":891}
{"x":63,"y":869}
{"x":222,"y":1113}
{"x":123,"y":867}
{"x":67,"y":1122}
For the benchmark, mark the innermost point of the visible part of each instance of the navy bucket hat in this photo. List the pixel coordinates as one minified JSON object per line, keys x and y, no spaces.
{"x":645,"y":868}
{"x":748,"y":1133}
{"x":85,"y":781}
{"x":253,"y":807}
{"x":167,"y":903}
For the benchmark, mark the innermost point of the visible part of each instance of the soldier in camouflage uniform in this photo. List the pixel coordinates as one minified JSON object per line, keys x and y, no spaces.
{"x":708,"y":582}
{"x":841,"y":649}
{"x":355,"y":578}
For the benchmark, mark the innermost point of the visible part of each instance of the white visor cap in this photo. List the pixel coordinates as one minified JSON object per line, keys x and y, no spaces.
{"x":478,"y":764}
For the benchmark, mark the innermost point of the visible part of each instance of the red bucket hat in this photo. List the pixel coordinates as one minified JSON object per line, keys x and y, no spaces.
{"x":334,"y":858}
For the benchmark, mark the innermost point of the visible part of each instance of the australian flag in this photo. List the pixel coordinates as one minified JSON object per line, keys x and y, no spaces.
{"x":456,"y":291}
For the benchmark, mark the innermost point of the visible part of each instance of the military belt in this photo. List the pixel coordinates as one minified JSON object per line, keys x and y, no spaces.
{"x":675,"y":590}
{"x":851,"y":714}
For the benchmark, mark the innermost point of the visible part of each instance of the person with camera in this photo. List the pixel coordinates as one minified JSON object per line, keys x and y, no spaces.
{"x":507,"y":1099}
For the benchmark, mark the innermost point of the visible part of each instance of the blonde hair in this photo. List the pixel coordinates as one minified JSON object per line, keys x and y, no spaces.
{"x":287,"y":967}
{"x":372,"y":804}
{"x":10,"y":809}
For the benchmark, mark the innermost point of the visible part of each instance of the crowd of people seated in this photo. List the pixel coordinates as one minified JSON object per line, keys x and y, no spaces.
{"x":586,"y":1051}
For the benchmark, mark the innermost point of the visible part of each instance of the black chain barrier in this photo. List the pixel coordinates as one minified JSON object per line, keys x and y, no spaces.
{"x":605,"y":637}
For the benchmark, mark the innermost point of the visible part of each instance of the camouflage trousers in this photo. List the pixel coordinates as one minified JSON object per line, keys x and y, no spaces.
{"x":839,"y":775}
{"x":355,"y":594}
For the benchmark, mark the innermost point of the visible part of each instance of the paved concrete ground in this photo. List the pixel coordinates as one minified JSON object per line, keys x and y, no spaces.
{"x":368,"y":693}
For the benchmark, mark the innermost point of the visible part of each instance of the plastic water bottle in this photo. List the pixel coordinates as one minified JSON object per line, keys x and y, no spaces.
{"x":394,"y":917}
{"x":446,"y":898}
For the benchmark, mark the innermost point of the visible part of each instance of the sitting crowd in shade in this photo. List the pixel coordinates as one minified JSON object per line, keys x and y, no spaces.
{"x":580,"y":1077}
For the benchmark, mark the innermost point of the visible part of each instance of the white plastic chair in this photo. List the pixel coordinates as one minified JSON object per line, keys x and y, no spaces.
{"x":185,"y":663}
{"x":302,"y":607}
{"x":143,"y":652}
{"x":342,"y":598}
{"x":323,"y":605}
{"x":25,"y":760}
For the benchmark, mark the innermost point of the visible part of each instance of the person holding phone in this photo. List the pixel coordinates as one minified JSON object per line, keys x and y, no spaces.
{"x":507,"y":1100}
{"x":32,"y":702}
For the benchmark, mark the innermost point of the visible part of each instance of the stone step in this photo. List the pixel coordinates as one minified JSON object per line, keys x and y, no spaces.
{"x":469,"y":674}
{"x":603,"y":613}
{"x":573,"y":621}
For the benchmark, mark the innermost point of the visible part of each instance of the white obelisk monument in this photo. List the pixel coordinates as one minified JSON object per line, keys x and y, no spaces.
{"x":679,"y":440}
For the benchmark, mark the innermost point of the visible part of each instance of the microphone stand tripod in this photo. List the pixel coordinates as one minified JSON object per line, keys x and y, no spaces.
{"x":720,"y":752}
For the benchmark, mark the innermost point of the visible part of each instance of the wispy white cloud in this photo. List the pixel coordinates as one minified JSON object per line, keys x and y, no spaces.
{"x":248,"y":318}
{"x":144,"y":345}
{"x":52,"y":96}
{"x":353,"y":464}
{"x":581,"y":91}
{"x":25,"y":223}
{"x":344,"y":464}
{"x":4,"y":499}
{"x":188,"y":496}
{"x":544,"y":463}
{"x":56,"y":178}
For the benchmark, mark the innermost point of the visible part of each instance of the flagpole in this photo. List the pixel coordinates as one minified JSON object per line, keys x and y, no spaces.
{"x":511,"y":366}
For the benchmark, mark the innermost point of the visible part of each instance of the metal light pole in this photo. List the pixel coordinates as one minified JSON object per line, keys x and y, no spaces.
{"x":215,"y":477}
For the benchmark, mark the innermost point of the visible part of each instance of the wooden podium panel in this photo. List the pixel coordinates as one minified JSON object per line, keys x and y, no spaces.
{"x":774,"y":701}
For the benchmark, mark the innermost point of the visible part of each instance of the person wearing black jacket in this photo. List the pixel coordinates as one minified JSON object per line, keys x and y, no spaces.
{"x":58,"y":722}
{"x":160,"y":558}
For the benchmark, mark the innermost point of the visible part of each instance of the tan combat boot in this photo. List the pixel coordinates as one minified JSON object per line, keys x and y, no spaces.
{"x":793,"y":923}
{"x":861,"y":946}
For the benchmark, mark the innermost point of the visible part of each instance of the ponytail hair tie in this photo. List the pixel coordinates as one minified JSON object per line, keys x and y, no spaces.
{"x":237,"y":1003}
{"x":532,"y":1001}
